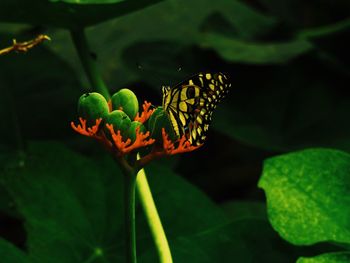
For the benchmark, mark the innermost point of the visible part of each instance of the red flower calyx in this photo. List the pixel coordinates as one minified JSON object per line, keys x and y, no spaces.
{"x":146,"y":113}
{"x":183,"y":145}
{"x":142,"y":140}
{"x":83,"y":130}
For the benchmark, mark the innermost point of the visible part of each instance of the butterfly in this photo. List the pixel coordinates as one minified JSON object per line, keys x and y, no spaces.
{"x":190,"y":104}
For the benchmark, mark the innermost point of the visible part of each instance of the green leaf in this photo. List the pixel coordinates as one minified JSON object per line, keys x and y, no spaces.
{"x":236,"y":50}
{"x":64,"y":200}
{"x":73,"y":205}
{"x":11,"y":254}
{"x":339,"y":257}
{"x":324,"y":31}
{"x":308,"y":195}
{"x":68,"y":14}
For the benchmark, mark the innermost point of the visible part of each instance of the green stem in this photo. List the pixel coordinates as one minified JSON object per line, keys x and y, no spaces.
{"x":153,"y":218}
{"x":129,"y":206}
{"x":89,"y":62}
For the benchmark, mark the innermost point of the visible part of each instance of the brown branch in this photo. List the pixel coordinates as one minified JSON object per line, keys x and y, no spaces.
{"x":24,"y":46}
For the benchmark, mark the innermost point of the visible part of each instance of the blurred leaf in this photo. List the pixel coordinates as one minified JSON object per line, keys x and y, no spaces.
{"x":68,"y":14}
{"x":241,"y":51}
{"x":87,"y":2}
{"x":331,"y":42}
{"x":308,"y":195}
{"x":245,"y":210}
{"x":74,"y":210}
{"x":324,"y":31}
{"x":10,"y":254}
{"x":245,"y":21}
{"x":62,"y":215}
{"x":340,"y":257}
{"x":157,"y":29}
{"x":298,"y":13}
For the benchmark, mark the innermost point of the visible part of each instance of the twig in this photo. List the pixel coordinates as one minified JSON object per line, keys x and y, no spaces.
{"x":24,"y":46}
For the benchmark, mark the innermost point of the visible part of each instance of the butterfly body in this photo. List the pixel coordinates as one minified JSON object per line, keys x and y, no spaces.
{"x":190,"y":104}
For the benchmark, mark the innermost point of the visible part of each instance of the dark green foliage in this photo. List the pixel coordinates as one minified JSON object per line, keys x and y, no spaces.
{"x":10,"y":254}
{"x":66,"y":13}
{"x":53,"y":190}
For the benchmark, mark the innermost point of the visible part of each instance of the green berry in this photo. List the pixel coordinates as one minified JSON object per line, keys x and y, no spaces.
{"x":127,"y":100}
{"x":92,"y":106}
{"x":120,"y":121}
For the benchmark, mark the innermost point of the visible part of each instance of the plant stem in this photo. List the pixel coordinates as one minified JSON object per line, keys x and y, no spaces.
{"x":153,"y":218}
{"x":129,"y":206}
{"x":89,"y":62}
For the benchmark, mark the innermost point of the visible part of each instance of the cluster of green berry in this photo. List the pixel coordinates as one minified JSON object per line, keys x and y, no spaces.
{"x":122,"y":112}
{"x":122,"y":129}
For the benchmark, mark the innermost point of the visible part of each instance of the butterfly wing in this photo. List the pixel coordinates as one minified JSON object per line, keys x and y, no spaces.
{"x":190,"y":104}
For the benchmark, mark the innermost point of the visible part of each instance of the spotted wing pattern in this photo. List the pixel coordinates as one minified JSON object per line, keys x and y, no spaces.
{"x":190,"y":104}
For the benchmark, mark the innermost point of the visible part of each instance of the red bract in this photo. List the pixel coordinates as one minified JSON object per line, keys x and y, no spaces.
{"x":121,"y":146}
